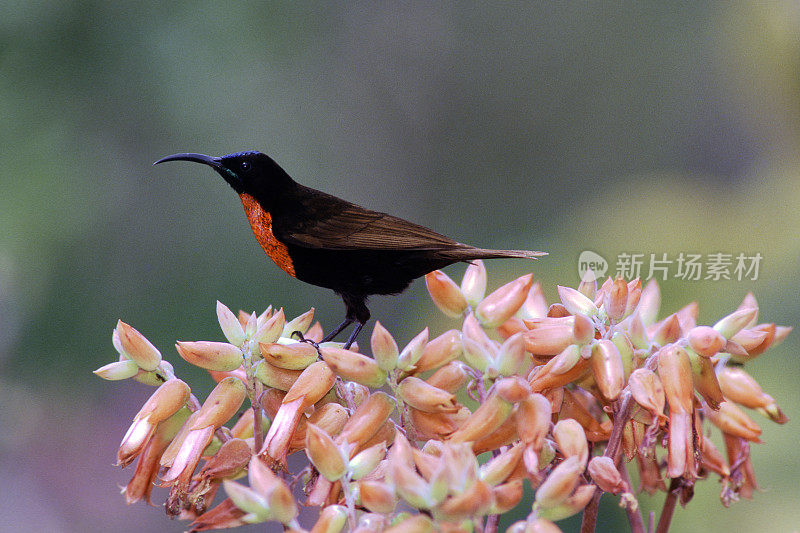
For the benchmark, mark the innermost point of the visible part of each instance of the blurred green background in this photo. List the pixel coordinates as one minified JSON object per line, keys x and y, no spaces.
{"x":639,"y":127}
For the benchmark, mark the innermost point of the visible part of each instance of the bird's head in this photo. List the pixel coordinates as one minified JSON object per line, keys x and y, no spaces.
{"x":247,"y":172}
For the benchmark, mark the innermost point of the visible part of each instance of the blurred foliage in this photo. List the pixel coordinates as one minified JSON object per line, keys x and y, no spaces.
{"x":639,"y":126}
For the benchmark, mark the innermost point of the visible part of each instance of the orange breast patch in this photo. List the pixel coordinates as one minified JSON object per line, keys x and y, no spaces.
{"x":261,"y":224}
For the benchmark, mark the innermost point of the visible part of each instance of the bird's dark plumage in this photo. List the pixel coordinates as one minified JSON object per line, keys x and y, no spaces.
{"x":326,"y":241}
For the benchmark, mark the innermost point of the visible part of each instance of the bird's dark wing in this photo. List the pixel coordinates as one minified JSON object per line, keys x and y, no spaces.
{"x":340,"y":225}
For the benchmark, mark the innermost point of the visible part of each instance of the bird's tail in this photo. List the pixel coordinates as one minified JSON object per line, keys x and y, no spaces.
{"x":469,"y":253}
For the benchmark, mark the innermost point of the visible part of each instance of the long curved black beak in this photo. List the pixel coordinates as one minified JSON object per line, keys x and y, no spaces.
{"x":213,"y":162}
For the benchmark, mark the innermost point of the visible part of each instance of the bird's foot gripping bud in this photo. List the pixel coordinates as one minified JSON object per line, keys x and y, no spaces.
{"x":299,"y":336}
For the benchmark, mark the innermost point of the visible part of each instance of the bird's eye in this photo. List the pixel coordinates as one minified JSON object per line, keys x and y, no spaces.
{"x":245,"y":165}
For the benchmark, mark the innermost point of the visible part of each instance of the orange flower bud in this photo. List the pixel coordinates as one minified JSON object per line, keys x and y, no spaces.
{"x":273,"y":489}
{"x":577,"y":406}
{"x":733,"y":421}
{"x":512,"y":389}
{"x":367,"y":419}
{"x":706,"y":341}
{"x":511,"y":357}
{"x":648,"y":392}
{"x":436,"y":425}
{"x":424,"y":397}
{"x":498,"y":469}
{"x":473,"y":284}
{"x":353,"y":366}
{"x":412,"y":352}
{"x":705,"y":379}
{"x":588,"y":284}
{"x":506,"y":496}
{"x":649,"y":302}
{"x":575,"y":302}
{"x":675,"y":372}
{"x":501,"y":305}
{"x":560,"y":370}
{"x":137,"y":348}
{"x":332,"y":519}
{"x":572,"y":505}
{"x":221,"y":404}
{"x":314,"y":382}
{"x":366,"y":461}
{"x":324,"y":454}
{"x":440,"y":351}
{"x":330,"y":418}
{"x":384,"y":348}
{"x":476,"y":355}
{"x":665,"y":331}
{"x":549,"y":336}
{"x":607,"y":368}
{"x":445,"y":293}
{"x":532,"y":417}
{"x":118,"y":370}
{"x":409,"y":485}
{"x":634,"y":293}
{"x":687,"y":317}
{"x":271,"y":329}
{"x":712,"y":459}
{"x":377,"y":496}
{"x":415,"y":524}
{"x":474,"y":501}
{"x":615,"y":301}
{"x":560,"y":483}
{"x":300,"y":323}
{"x":219,"y":356}
{"x":294,"y":356}
{"x":731,"y":324}
{"x":472,"y":330}
{"x":230,"y":325}
{"x":637,"y":332}
{"x":571,"y":439}
{"x":451,"y":377}
{"x":605,"y":474}
{"x":276,"y":377}
{"x":535,"y":305}
{"x":754,"y":341}
{"x":162,"y":404}
{"x":487,"y":418}
{"x":738,"y":386}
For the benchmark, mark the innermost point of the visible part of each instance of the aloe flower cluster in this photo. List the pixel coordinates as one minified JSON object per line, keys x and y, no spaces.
{"x":444,"y":434}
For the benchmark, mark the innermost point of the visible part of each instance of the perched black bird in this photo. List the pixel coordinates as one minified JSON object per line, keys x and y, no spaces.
{"x":329,"y":242}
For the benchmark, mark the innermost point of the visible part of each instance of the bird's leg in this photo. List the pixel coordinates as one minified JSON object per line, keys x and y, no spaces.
{"x":301,"y":338}
{"x":351,"y":339}
{"x":332,"y":335}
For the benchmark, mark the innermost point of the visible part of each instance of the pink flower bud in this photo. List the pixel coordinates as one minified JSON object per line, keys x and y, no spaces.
{"x":440,"y":351}
{"x":605,"y":474}
{"x":271,"y":329}
{"x":445,"y":293}
{"x":575,"y":302}
{"x":706,"y":341}
{"x":230,"y":325}
{"x":137,"y":347}
{"x":731,"y":324}
{"x":607,"y":368}
{"x":300,"y":323}
{"x":501,"y":305}
{"x":473,"y":284}
{"x":424,"y":397}
{"x":294,"y":356}
{"x":353,"y":366}
{"x":384,"y":348}
{"x":615,"y":301}
{"x":219,"y":356}
{"x":412,"y":352}
{"x":571,"y":439}
{"x":324,"y":454}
